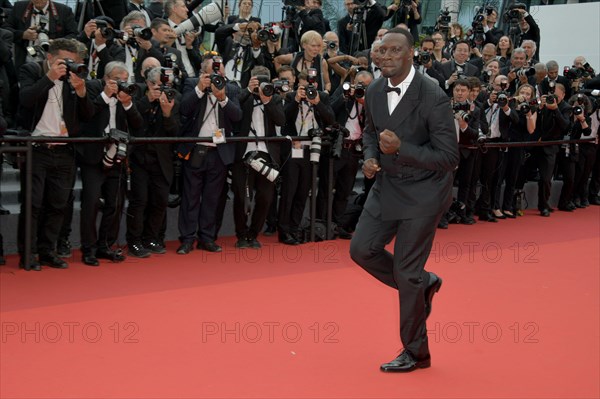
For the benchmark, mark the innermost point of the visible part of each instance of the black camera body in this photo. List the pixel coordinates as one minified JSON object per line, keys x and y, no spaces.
{"x":443,"y":20}
{"x":422,"y":57}
{"x":311,"y":88}
{"x":359,"y":90}
{"x":269,"y":33}
{"x":81,"y":70}
{"x":526,"y":107}
{"x":281,"y":85}
{"x":577,"y":110}
{"x":513,"y":14}
{"x":129,"y":88}
{"x":331,"y":45}
{"x":336,"y":135}
{"x":572,"y":73}
{"x":461,"y":106}
{"x":502,"y":98}
{"x":215,"y":77}
{"x":117,"y":150}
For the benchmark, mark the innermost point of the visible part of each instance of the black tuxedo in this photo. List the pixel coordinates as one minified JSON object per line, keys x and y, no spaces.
{"x":373,"y":21}
{"x":468,"y":156}
{"x":446,"y":69}
{"x":204,"y":175}
{"x":112,"y":52}
{"x":160,"y":54}
{"x":228,"y":48}
{"x":98,"y":182}
{"x":545,"y":85}
{"x":512,"y":87}
{"x":412,"y":191}
{"x":61,"y":24}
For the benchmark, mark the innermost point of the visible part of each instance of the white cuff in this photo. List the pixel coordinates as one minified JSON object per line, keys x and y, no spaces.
{"x":199,"y":93}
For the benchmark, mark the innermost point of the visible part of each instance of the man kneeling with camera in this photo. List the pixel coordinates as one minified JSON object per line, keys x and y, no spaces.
{"x":255,"y":166}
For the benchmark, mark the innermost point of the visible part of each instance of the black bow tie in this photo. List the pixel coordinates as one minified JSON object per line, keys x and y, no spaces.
{"x":35,"y":11}
{"x":376,"y":69}
{"x":142,"y":7}
{"x":389,"y":89}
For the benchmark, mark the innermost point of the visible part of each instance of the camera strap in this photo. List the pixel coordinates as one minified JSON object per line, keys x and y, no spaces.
{"x":213,"y":105}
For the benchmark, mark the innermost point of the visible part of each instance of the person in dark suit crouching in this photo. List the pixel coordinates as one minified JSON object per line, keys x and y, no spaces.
{"x":262,"y":113}
{"x":54,"y":102}
{"x":410,"y":147}
{"x":103,"y":175}
{"x":152,"y":167}
{"x":208,"y":112}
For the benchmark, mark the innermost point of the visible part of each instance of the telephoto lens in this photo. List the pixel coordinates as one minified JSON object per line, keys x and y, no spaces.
{"x":129,"y":88}
{"x":267,"y":89}
{"x":577,"y":110}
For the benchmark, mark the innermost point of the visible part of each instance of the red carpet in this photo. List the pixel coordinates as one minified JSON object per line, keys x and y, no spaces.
{"x":518,"y":316}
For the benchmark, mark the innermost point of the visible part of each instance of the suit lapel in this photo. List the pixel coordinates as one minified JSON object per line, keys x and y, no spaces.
{"x":406,"y":106}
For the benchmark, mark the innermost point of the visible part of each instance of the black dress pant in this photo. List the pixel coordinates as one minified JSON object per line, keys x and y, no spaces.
{"x":344,"y":175}
{"x":403,"y":270}
{"x":567,"y":166}
{"x":546,"y":162}
{"x":249,"y":183}
{"x":490,"y":162}
{"x":465,"y":174}
{"x":110,"y":185}
{"x":148,"y":202}
{"x":595,"y":180}
{"x":52,"y":178}
{"x":296,"y":177}
{"x":583,"y":169}
{"x":508,"y":173}
{"x":202,"y":189}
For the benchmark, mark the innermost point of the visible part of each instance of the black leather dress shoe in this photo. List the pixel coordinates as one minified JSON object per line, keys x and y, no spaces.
{"x":405,"y":363}
{"x":89,"y":259}
{"x":443,"y":223}
{"x":254,"y":243}
{"x":468,"y":220}
{"x":242,"y":243}
{"x":52,"y":260}
{"x":270,"y":230}
{"x":288,"y":239}
{"x":138,"y":251}
{"x":209,"y":246}
{"x":4,"y":211}
{"x":113,"y":256}
{"x":545,"y":213}
{"x":155,"y":247}
{"x":185,"y":248}
{"x":344,"y":234}
{"x":488,"y":217}
{"x":63,"y":248}
{"x":594,"y":200}
{"x":434,"y":285}
{"x":509,"y":214}
{"x":31,"y":265}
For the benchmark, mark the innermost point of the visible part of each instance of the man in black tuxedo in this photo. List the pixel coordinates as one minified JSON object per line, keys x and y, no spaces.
{"x":101,"y":51}
{"x":209,"y":114}
{"x":428,"y":66}
{"x":514,"y":71}
{"x":410,"y":145}
{"x":187,"y":43}
{"x":44,"y":88}
{"x":375,"y":15}
{"x":102,"y":174}
{"x":553,"y":78}
{"x":458,"y":67}
{"x":151,"y":166}
{"x":25,"y":18}
{"x":492,"y":33}
{"x":261,"y":113}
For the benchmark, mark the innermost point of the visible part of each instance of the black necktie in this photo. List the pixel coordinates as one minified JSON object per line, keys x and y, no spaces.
{"x":389,"y":89}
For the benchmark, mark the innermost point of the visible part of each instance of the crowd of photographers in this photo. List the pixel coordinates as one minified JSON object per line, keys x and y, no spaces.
{"x":144,"y":73}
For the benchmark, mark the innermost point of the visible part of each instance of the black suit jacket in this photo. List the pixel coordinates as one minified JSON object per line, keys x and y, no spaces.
{"x":160,"y":54}
{"x":192,"y":111}
{"x":227,"y":47}
{"x":127,"y":121}
{"x":375,"y":17}
{"x":273,"y":116}
{"x":61,"y":20}
{"x":35,"y":86}
{"x":156,"y":125}
{"x":554,"y":124}
{"x":504,"y":121}
{"x":417,"y":181}
{"x":493,"y":35}
{"x":446,"y":69}
{"x":323,"y":113}
{"x":545,"y":85}
{"x":112,"y":52}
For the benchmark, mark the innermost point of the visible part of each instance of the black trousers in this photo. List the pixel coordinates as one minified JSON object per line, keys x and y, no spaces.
{"x":583,"y":169}
{"x":202,"y":189}
{"x":403,"y":270}
{"x":344,"y":175}
{"x":52,"y":178}
{"x":296,"y":177}
{"x":249,"y":183}
{"x":567,"y":166}
{"x":546,"y":162}
{"x":595,"y":180}
{"x":148,"y":202}
{"x":465,"y":175}
{"x":490,"y":163}
{"x":110,"y":185}
{"x":508,"y":173}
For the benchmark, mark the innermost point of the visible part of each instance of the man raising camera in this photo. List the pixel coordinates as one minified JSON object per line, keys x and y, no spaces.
{"x":349,"y":31}
{"x":256,"y":163}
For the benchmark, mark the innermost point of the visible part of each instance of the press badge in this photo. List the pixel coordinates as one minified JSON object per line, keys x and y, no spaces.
{"x":297,"y":150}
{"x":218,"y":137}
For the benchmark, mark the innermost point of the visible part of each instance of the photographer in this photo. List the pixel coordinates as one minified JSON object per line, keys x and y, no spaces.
{"x":188,"y":44}
{"x":45,"y":87}
{"x":262,"y":110}
{"x":241,"y":50}
{"x":406,"y":12}
{"x":103,"y":168}
{"x":492,"y":33}
{"x":362,"y":15}
{"x":307,"y":113}
{"x":347,"y":103}
{"x":589,"y":156}
{"x":553,"y":79}
{"x":330,"y":51}
{"x":152,"y":165}
{"x":310,"y":18}
{"x":568,"y":156}
{"x":499,"y":117}
{"x":466,"y":122}
{"x":102,"y":50}
{"x":36,"y":22}
{"x":529,"y":31}
{"x":523,"y":130}
{"x":530,"y":50}
{"x":439,"y":54}
{"x":554,"y":120}
{"x":458,"y":67}
{"x":424,"y":62}
{"x":209,"y":109}
{"x":518,"y":72}
{"x":480,"y":58}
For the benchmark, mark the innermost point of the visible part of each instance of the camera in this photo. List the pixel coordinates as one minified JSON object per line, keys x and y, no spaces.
{"x":109,"y":33}
{"x":311,"y":88}
{"x":315,"y":146}
{"x":81,"y":70}
{"x":577,"y":110}
{"x":502,"y":98}
{"x":281,"y":85}
{"x":215,"y":77}
{"x":142,"y":33}
{"x":117,"y":150}
{"x":572,"y":73}
{"x":462,"y":109}
{"x":43,"y":39}
{"x":129,"y":88}
{"x":513,"y":14}
{"x":443,"y":21}
{"x":331,"y":45}
{"x":525,"y":71}
{"x":336,"y":135}
{"x":551,"y":98}
{"x":255,"y":160}
{"x":422,"y":57}
{"x":359,"y":90}
{"x":269,"y":32}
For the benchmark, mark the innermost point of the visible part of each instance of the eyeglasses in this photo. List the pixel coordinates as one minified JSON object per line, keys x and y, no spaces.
{"x":393,"y":51}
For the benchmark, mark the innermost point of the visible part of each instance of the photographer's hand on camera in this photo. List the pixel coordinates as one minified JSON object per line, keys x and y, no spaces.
{"x":57,"y":69}
{"x":166,"y":106}
{"x":89,"y":28}
{"x":204,"y":82}
{"x":314,"y":101}
{"x":78,"y":84}
{"x":111,"y":88}
{"x":219,"y":94}
{"x":189,"y":39}
{"x":389,"y":143}
{"x":453,"y":78}
{"x":462,"y":124}
{"x":300,"y":94}
{"x":124,"y":99}
{"x":553,"y":106}
{"x":30,"y":34}
{"x":145,"y":44}
{"x":370,"y":168}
